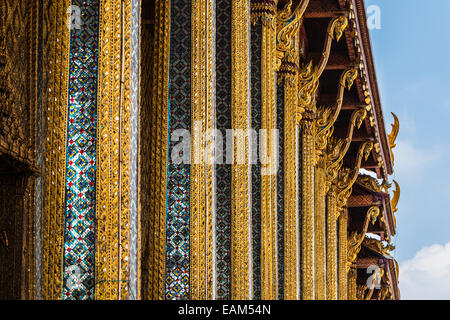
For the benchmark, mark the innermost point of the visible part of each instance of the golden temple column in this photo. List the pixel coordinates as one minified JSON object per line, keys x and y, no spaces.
{"x":342,"y":265}
{"x":268,"y":188}
{"x":332,"y":213}
{"x":288,"y":23}
{"x":308,"y":130}
{"x":319,"y":230}
{"x":291,"y":221}
{"x":202,"y":104}
{"x":154,"y":230}
{"x":54,"y":169}
{"x":240,"y":233}
{"x":117,"y":226}
{"x":263,"y":15}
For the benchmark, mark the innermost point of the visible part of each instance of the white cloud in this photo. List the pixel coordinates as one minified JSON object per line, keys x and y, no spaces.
{"x":411,"y":159}
{"x":427,"y":275}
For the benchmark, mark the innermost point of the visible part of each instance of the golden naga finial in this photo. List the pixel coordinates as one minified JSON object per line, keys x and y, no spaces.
{"x":288,"y":24}
{"x":396,"y":198}
{"x":397,"y":270}
{"x":378,"y":246}
{"x":393,"y":135}
{"x":338,"y":27}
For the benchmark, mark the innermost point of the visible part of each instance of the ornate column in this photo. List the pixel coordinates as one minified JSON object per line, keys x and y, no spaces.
{"x":116,"y":254}
{"x":291,"y":218}
{"x":342,"y":264}
{"x":319,"y":230}
{"x":263,"y":15}
{"x":202,"y":152}
{"x":55,"y":112}
{"x":240,"y":226}
{"x":89,"y":207}
{"x":332,"y":215}
{"x":289,"y":21}
{"x":154,"y":200}
{"x":308,"y":133}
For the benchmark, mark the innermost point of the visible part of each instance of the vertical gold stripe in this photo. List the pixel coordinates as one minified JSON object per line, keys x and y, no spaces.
{"x":125,"y":139}
{"x":268,"y":188}
{"x":55,"y":119}
{"x":201,"y":172}
{"x":331,"y":245}
{"x":110,"y":153}
{"x":202,"y":152}
{"x":342,"y":285}
{"x":290,"y":178}
{"x":307,"y":208}
{"x":319,"y":231}
{"x":240,"y":121}
{"x":155,"y":262}
{"x":210,"y":125}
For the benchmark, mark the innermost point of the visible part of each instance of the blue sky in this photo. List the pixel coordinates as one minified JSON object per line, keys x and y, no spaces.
{"x":412,"y":51}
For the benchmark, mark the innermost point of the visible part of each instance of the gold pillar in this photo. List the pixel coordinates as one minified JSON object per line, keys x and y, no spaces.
{"x":308,"y":131}
{"x":290,"y":187}
{"x":331,"y":244}
{"x":342,"y":266}
{"x":54,"y":166}
{"x":240,"y":169}
{"x":201,"y":169}
{"x":113,"y":151}
{"x":268,"y":188}
{"x":155,"y":233}
{"x":319,"y":231}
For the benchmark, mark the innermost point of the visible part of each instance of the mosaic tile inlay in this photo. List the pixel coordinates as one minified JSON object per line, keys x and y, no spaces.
{"x":79,"y":237}
{"x":256,"y":104}
{"x":178,"y":176}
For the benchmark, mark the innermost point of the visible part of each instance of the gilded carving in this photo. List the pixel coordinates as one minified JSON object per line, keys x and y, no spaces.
{"x":288,"y":25}
{"x":327,"y":116}
{"x":348,"y":177}
{"x":396,"y":198}
{"x":310,"y":75}
{"x":337,"y":148}
{"x":355,"y":239}
{"x":393,"y":135}
{"x":378,"y":246}
{"x":240,"y":187}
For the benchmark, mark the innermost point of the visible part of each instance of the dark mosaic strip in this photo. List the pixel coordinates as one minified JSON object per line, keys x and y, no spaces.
{"x":79,"y":233}
{"x":223,"y":171}
{"x":280,"y":189}
{"x":178,"y":176}
{"x":300,"y":204}
{"x":256,"y":104}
